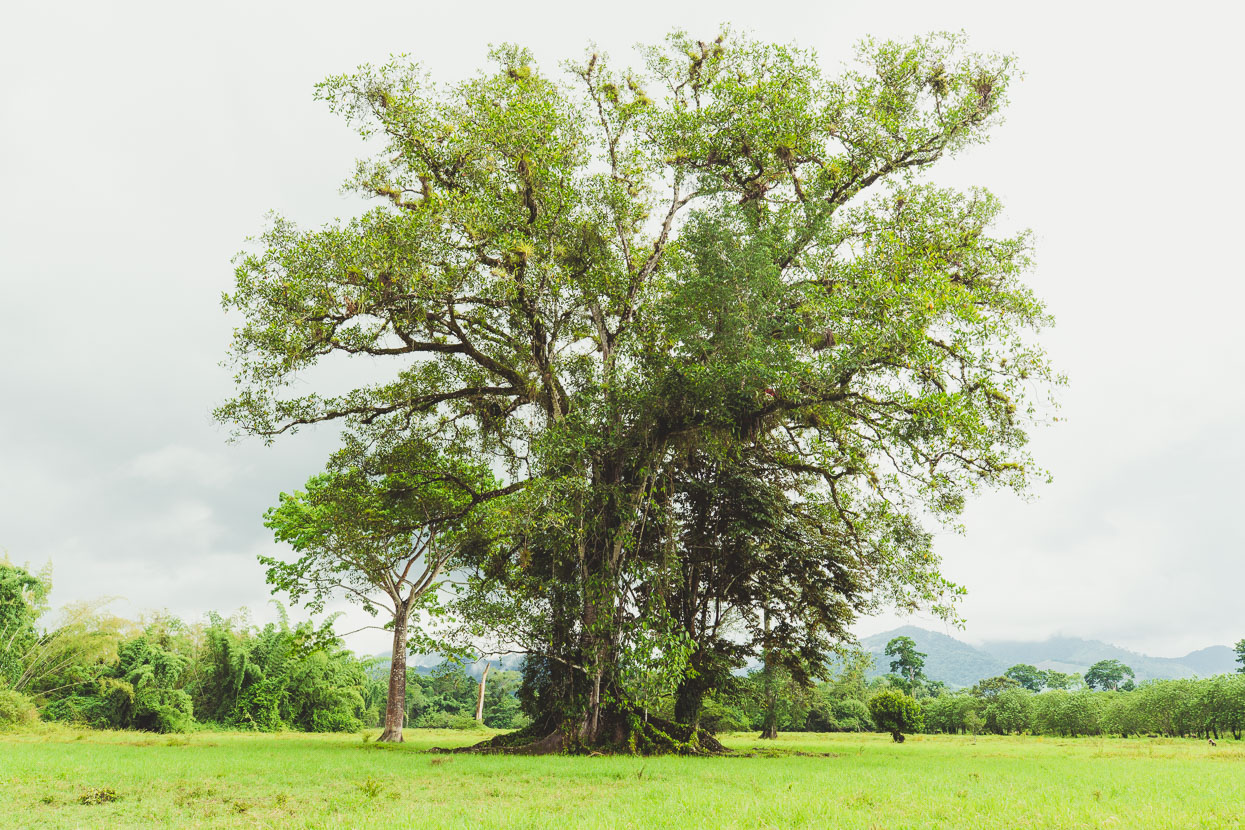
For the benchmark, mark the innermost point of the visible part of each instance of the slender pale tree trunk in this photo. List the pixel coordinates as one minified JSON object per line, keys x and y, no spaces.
{"x":480,"y":697}
{"x":769,"y":728}
{"x":395,"y":705}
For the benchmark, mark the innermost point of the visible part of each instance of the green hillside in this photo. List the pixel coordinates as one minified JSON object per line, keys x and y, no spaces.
{"x":953,"y":662}
{"x":958,"y":664}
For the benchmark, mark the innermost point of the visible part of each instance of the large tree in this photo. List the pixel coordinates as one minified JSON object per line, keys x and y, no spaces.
{"x":725,"y":259}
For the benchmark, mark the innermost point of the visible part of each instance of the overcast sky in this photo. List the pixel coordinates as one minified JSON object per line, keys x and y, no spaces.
{"x":141,"y":143}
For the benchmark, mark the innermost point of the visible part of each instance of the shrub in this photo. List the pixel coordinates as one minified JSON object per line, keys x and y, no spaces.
{"x":335,"y":720}
{"x":852,"y":715}
{"x":464,"y":722}
{"x":433,"y":720}
{"x":716,"y":716}
{"x":16,"y":710}
{"x":896,"y":713}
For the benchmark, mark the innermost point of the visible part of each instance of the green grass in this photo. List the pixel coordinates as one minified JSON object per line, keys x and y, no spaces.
{"x":66,"y":778}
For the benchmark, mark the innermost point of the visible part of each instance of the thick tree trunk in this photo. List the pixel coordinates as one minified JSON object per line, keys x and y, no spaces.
{"x":688,"y":701}
{"x":769,"y":728}
{"x":571,"y":690}
{"x":480,"y":698}
{"x":395,"y":704}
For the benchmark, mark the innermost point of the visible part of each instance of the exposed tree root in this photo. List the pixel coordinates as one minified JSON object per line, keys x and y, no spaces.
{"x":644,"y":737}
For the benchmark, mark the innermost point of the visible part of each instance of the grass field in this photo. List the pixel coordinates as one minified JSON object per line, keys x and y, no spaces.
{"x":846,"y":781}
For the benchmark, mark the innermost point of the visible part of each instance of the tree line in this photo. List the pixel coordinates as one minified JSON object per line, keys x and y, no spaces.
{"x":1023,"y":700}
{"x":164,"y":675}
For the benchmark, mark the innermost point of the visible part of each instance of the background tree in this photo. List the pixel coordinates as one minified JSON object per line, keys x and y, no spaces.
{"x":1010,"y":712}
{"x":22,"y":599}
{"x":1030,"y":677}
{"x":1062,"y":681}
{"x":1240,"y":654}
{"x":592,"y":284}
{"x":378,"y":529}
{"x":1107,"y":674}
{"x":42,"y":653}
{"x":906,"y":661}
{"x":896,"y":713}
{"x":992,"y":687}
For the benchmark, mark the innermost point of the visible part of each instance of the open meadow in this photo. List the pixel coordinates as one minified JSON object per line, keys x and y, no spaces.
{"x":60,"y":777}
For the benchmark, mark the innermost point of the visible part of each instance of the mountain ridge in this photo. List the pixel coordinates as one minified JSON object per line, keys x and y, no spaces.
{"x":960,"y":664}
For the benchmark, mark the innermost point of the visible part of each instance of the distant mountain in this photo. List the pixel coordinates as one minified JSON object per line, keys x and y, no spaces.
{"x":959,"y":664}
{"x":1212,"y":660}
{"x":1075,"y":654}
{"x":428,"y":663}
{"x":947,"y":659}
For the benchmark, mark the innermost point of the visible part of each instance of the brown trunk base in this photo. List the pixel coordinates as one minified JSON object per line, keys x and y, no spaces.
{"x":652,"y":737}
{"x":391,"y":736}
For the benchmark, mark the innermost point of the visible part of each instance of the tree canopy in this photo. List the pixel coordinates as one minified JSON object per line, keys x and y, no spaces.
{"x":722,"y":341}
{"x":1030,"y":677}
{"x":1107,"y":674}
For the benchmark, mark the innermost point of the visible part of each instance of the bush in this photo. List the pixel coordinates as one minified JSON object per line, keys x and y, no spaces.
{"x":520,"y":722}
{"x":896,"y":713}
{"x":716,"y":716}
{"x":16,"y":710}
{"x":335,"y":720}
{"x":433,"y":720}
{"x":464,"y":722}
{"x":852,"y":715}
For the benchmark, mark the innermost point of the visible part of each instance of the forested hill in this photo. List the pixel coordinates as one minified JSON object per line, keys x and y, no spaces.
{"x":949,"y":660}
{"x":959,"y":664}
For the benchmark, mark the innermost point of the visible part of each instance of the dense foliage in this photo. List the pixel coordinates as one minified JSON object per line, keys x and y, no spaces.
{"x":1192,"y":707}
{"x":1207,"y":707}
{"x":895,"y":712}
{"x":225,"y":673}
{"x":163,"y":675}
{"x":22,"y":595}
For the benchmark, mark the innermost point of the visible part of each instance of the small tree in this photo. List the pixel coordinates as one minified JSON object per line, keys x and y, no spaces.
{"x":896,"y":713}
{"x":1107,"y":674}
{"x":1240,"y":655}
{"x":383,"y":524}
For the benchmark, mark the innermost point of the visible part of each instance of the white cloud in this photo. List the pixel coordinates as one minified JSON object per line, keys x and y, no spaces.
{"x":178,"y":464}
